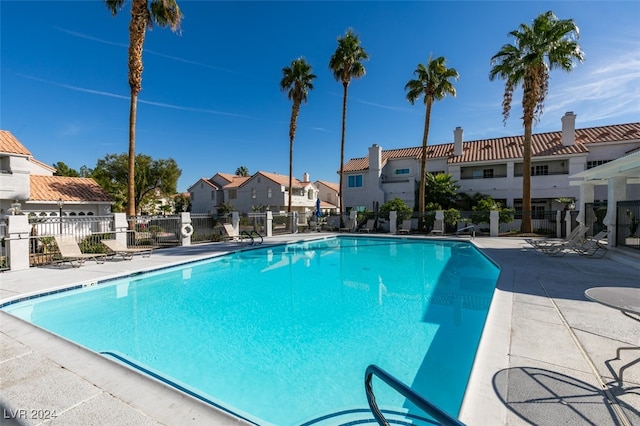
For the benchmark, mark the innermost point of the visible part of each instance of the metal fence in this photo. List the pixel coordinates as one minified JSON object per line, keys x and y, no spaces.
{"x":4,"y":258}
{"x":205,"y":228}
{"x":628,"y":220}
{"x":156,"y":231}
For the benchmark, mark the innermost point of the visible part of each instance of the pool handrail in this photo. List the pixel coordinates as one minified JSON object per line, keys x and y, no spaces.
{"x":435,"y":412}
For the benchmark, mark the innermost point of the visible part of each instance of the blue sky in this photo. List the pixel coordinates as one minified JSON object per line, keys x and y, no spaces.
{"x":211,"y":100}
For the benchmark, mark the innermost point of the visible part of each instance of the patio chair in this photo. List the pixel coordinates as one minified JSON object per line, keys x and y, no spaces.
{"x":124,"y":251}
{"x":563,"y":247}
{"x":349,"y":225}
{"x":591,"y":246}
{"x":577,"y":232}
{"x":405,"y":228}
{"x":368,"y":227}
{"x":232,"y":235}
{"x":70,"y":252}
{"x":438,"y":227}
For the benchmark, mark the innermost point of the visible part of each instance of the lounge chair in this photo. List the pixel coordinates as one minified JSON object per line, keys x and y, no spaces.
{"x":349,"y":225}
{"x":405,"y":228}
{"x":563,"y":247}
{"x":70,"y":252}
{"x":591,"y":246}
{"x":577,"y":232}
{"x":124,"y":251}
{"x":438,"y":227}
{"x":232,"y":235}
{"x":368,"y":227}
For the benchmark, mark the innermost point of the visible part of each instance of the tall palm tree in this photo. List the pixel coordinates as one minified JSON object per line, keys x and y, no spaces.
{"x":433,"y":83}
{"x":548,"y":44}
{"x":346,"y":63}
{"x":296,"y":82}
{"x":144,"y":14}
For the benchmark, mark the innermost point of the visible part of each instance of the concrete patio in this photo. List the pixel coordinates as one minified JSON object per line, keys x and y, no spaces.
{"x":546,"y":356}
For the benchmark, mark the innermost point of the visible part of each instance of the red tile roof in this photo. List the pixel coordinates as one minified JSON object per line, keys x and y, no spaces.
{"x":542,"y":144}
{"x":280,"y":179}
{"x":10,"y":145}
{"x":69,"y":189}
{"x":331,"y":185}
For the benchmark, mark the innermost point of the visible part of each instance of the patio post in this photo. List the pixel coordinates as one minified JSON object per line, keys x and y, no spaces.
{"x":18,"y":230}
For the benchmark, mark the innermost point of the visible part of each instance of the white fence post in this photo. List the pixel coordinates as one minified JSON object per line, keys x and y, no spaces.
{"x":494,"y":223}
{"x":268,"y":226}
{"x":393,"y":222}
{"x":186,"y":228}
{"x":18,"y":230}
{"x":120,"y":226}
{"x":235,"y":222}
{"x":567,"y":218}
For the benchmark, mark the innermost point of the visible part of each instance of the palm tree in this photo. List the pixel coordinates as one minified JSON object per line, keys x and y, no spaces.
{"x":547,"y":44}
{"x":346,"y":63}
{"x":296,"y":82}
{"x":433,"y":83}
{"x":242,"y":171}
{"x":144,"y":14}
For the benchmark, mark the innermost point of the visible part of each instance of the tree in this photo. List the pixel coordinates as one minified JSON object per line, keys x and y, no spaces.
{"x":547,"y":44}
{"x":433,"y":83}
{"x":144,"y":14}
{"x":297,"y":81}
{"x":242,"y":171}
{"x":397,"y":205}
{"x":181,"y":203}
{"x":63,"y":170}
{"x":346,"y":63}
{"x":154,"y":176}
{"x":441,"y":189}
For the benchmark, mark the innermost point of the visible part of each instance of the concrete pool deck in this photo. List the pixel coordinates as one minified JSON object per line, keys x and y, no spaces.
{"x":547,"y":354}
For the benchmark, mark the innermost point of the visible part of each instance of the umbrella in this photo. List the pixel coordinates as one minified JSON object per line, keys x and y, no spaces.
{"x":318,"y":211}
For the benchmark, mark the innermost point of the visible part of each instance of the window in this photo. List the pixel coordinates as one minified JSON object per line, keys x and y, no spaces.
{"x":539,"y":170}
{"x":537,"y":212}
{"x":592,"y":164}
{"x":213,"y":195}
{"x":477,"y":174}
{"x":268,"y":192}
{"x":487,"y":173}
{"x":310,"y":195}
{"x":233,"y":194}
{"x":355,"y":181}
{"x":401,"y":171}
{"x":193,"y":196}
{"x":253,"y":193}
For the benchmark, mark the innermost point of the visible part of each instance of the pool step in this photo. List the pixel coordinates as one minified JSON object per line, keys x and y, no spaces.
{"x":363,"y":416}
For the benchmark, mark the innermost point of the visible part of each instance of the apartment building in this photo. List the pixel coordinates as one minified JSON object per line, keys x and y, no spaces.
{"x":494,"y":166}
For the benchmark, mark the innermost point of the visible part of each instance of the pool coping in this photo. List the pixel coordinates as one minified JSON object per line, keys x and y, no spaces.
{"x":480,"y":404}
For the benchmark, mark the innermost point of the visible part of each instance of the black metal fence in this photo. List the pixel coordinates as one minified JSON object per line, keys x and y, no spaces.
{"x":628,"y":224}
{"x":156,"y":231}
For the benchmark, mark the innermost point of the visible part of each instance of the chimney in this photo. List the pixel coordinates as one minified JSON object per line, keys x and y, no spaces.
{"x":568,"y":129}
{"x":457,"y":141}
{"x":375,"y":157}
{"x":305,"y":177}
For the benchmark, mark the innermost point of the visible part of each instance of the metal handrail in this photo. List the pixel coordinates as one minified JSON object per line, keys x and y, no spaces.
{"x":429,"y":408}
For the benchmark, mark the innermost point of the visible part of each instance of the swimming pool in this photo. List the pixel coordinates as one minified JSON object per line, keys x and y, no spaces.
{"x":282,"y":335}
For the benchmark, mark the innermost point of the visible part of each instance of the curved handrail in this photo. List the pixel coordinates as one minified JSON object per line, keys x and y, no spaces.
{"x":432,"y":410}
{"x":248,"y":235}
{"x":258,"y":234}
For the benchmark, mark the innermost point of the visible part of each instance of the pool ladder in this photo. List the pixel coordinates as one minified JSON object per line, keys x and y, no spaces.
{"x":436,"y":413}
{"x":250,"y":236}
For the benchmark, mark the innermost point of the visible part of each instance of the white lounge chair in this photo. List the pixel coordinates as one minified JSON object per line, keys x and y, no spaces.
{"x":577,"y":232}
{"x":124,"y":251}
{"x":405,"y":228}
{"x":232,"y":235}
{"x":70,"y":252}
{"x":438,"y":227}
{"x":369,"y":226}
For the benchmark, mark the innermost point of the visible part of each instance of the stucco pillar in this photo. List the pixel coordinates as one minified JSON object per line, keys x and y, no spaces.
{"x":567,"y":222}
{"x":268,"y":226}
{"x":18,"y":230}
{"x":235,"y":222}
{"x":186,"y":228}
{"x":616,"y":191}
{"x":494,"y":223}
{"x":353,"y":219}
{"x":393,"y":222}
{"x":121,"y":227}
{"x":439,"y":217}
{"x":586,"y":196}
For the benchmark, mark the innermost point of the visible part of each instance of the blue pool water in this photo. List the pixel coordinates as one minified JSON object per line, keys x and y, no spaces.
{"x":282,"y":335}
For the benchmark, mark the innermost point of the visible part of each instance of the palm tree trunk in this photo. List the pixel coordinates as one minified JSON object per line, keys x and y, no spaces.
{"x":526,"y":226}
{"x":295,"y":110}
{"x":345,"y":89}
{"x":423,"y":165}
{"x":137,"y":32}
